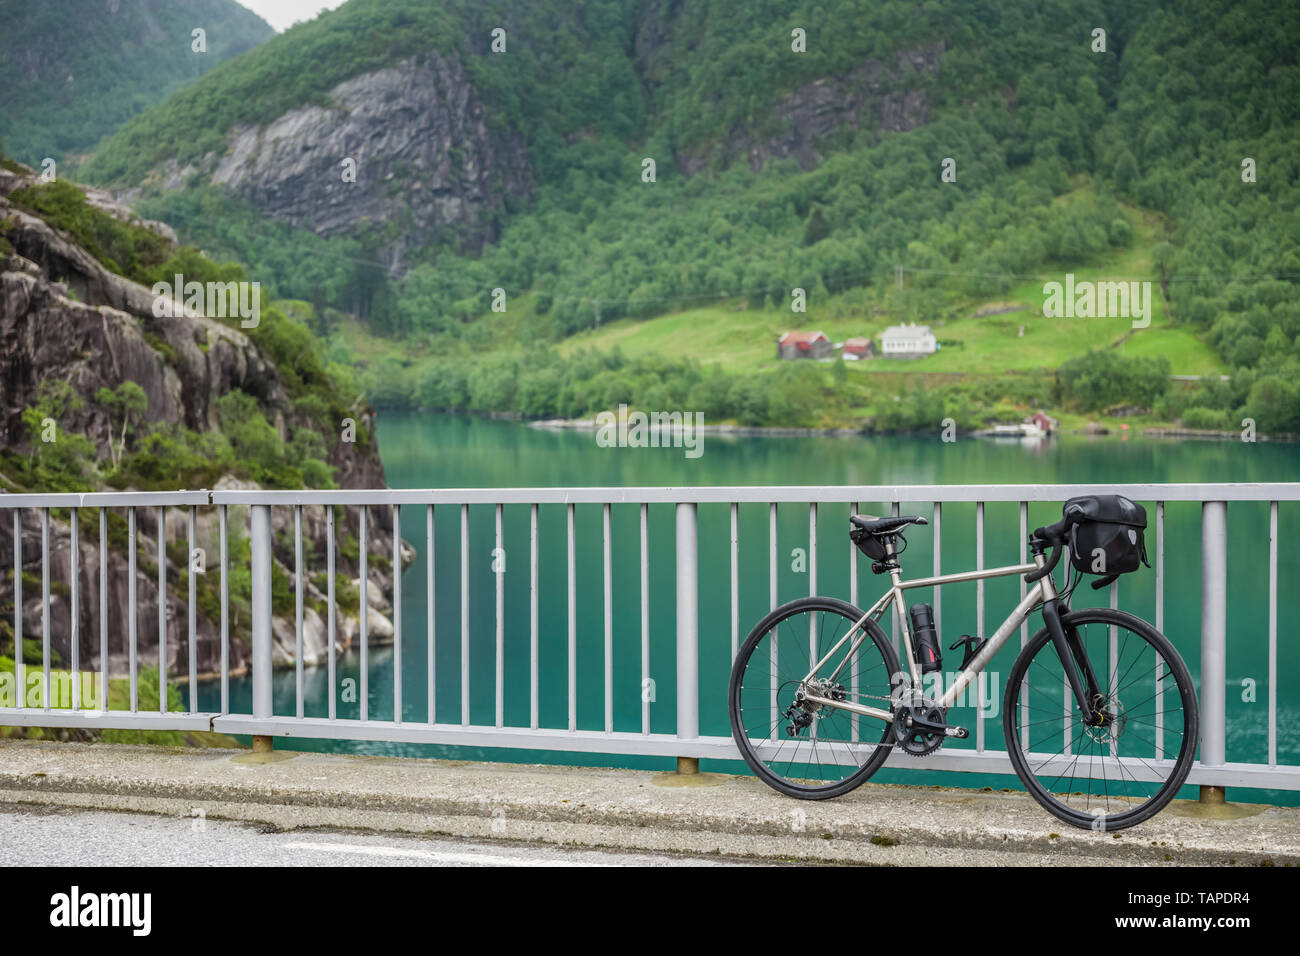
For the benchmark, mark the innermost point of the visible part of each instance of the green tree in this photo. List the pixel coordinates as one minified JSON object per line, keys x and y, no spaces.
{"x":127,"y":402}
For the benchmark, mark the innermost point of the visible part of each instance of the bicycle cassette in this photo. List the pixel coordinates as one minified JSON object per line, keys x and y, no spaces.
{"x":916,"y":741}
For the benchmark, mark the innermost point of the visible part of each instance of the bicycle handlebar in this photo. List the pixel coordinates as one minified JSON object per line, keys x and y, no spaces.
{"x":1055,"y":535}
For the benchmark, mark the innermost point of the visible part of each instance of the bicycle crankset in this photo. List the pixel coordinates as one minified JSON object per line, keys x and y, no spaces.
{"x":920,"y":728}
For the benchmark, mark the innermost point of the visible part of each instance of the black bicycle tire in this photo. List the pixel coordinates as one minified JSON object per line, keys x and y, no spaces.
{"x":1187,"y":692}
{"x":761,"y":770}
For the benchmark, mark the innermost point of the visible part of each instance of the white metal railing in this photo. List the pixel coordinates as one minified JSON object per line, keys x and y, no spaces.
{"x":1212,"y":769}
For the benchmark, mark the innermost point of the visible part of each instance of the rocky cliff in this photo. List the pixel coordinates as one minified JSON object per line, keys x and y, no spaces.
{"x":408,"y":145}
{"x":65,"y":317}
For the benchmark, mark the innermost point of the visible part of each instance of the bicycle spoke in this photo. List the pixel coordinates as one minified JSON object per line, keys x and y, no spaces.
{"x":811,"y":746}
{"x":1099,"y":763}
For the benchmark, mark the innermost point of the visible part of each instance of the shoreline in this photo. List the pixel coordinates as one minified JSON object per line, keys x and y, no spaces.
{"x":778,"y":431}
{"x":791,"y":431}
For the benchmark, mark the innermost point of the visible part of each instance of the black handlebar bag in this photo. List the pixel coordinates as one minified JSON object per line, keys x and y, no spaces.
{"x":1107,"y":534}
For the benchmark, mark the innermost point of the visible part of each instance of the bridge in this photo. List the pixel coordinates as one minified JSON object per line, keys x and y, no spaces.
{"x":176,"y":515}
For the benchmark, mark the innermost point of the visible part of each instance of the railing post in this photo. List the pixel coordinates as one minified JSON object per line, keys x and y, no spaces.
{"x":260,"y":549}
{"x":688,"y":638}
{"x":1214,"y":639}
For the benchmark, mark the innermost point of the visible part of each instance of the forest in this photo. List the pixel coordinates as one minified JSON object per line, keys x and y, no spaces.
{"x":1186,"y":121}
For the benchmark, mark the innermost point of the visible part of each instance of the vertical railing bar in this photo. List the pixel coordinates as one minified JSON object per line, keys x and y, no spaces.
{"x":812,"y":581}
{"x":74,"y":622}
{"x":192,"y":621}
{"x":1214,"y":573}
{"x":501,"y":619}
{"x":332,"y":624}
{"x":103,"y":610}
{"x":534,"y":659}
{"x":1160,"y":624}
{"x":688,"y":630}
{"x":1272,"y":633}
{"x":363,"y":579}
{"x":853,"y":599}
{"x":979,"y":623}
{"x":773,"y":589}
{"x":573,"y":622}
{"x":297,"y":616}
{"x":20,"y":668}
{"x":735,"y":579}
{"x":130,"y":603}
{"x":1024,"y":625}
{"x":431,"y":656}
{"x":225,"y":611}
{"x":609,"y":619}
{"x":894,"y":609}
{"x":261,"y":562}
{"x":645,"y":617}
{"x":464,"y":615}
{"x":1112,"y":682}
{"x":938,"y":562}
{"x":772,"y":572}
{"x":397,"y":614}
{"x":162,"y":610}
{"x":45,"y":608}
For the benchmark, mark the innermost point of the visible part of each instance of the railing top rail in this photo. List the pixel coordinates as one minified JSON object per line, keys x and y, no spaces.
{"x":1254,"y":491}
{"x":703,"y":494}
{"x":106,"y":499}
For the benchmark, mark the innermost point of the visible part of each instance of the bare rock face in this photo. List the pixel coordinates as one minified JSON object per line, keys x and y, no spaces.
{"x":881,"y":96}
{"x":423,"y":154}
{"x":64,"y":317}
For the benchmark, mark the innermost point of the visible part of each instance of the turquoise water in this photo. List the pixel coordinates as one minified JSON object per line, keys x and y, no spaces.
{"x":421,"y":451}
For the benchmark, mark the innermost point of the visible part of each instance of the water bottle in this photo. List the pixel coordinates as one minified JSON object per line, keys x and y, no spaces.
{"x":925,"y":638}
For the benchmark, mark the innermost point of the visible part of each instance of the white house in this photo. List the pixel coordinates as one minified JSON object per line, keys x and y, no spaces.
{"x":908,"y":341}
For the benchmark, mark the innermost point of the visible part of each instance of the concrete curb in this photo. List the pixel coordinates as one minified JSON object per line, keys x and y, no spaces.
{"x":627,"y":809}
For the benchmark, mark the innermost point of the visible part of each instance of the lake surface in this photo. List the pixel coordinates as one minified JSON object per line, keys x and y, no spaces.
{"x":441,"y":451}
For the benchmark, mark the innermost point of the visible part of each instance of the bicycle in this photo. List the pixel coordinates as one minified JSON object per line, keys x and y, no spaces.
{"x":1079,"y":710}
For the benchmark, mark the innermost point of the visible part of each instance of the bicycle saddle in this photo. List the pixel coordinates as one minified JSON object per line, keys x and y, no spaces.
{"x":873,"y":525}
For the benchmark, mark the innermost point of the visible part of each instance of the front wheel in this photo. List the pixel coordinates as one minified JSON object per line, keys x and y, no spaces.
{"x":1126,"y":766}
{"x":801,"y":748}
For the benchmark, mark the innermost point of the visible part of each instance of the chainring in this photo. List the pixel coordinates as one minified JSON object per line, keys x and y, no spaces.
{"x":918,"y":743}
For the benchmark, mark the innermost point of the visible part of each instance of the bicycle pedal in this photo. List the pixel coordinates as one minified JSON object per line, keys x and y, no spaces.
{"x":973,"y":646}
{"x":961,"y":733}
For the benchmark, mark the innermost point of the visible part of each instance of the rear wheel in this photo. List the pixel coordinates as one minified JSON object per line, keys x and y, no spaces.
{"x":799,"y":748}
{"x":1130,"y":763}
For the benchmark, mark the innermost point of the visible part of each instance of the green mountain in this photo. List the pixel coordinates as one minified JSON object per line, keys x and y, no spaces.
{"x":73,"y":70}
{"x":983,"y":147}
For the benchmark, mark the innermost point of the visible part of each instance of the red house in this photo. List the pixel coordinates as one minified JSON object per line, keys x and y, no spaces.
{"x":794,"y":345}
{"x":1044,"y":421}
{"x":859,"y":348}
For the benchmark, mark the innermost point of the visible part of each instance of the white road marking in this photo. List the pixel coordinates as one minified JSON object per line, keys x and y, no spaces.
{"x":482,"y":859}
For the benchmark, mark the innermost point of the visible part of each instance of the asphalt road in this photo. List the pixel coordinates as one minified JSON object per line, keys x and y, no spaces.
{"x":41,"y":836}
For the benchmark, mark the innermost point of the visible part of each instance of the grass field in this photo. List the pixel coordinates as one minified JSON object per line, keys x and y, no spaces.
{"x":1022,"y":339}
{"x":1013,"y":337}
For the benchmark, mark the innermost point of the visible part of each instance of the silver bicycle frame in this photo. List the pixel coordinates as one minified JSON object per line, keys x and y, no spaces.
{"x":1043,"y":589}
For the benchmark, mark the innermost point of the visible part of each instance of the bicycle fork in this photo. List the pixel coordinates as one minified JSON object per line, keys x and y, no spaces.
{"x":1073,"y":659}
